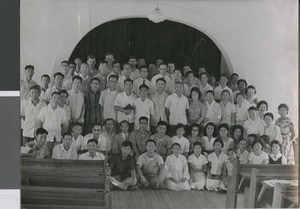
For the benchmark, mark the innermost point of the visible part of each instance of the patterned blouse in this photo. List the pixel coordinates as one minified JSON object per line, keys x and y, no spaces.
{"x":196,"y":111}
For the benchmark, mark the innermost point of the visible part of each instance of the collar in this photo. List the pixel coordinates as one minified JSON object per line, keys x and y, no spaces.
{"x":275,"y":157}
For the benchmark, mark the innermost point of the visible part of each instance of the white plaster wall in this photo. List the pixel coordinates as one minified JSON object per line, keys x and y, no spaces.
{"x":258,"y":38}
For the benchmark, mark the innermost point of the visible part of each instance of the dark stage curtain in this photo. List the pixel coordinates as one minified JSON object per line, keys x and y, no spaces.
{"x":140,"y":37}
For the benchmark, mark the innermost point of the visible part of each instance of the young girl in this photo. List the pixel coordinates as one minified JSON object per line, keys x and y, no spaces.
{"x":241,"y":110}
{"x":258,"y":156}
{"x":210,"y":133}
{"x":241,"y":152}
{"x":227,"y":108}
{"x":223,"y":135}
{"x":216,"y":162}
{"x":194,"y":137}
{"x":197,"y":166}
{"x":177,"y":170}
{"x":237,"y":134}
{"x":271,"y":130}
{"x":287,"y":131}
{"x":276,"y":157}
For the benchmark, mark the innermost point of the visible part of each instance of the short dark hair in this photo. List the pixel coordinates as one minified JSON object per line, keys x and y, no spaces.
{"x":143,"y":66}
{"x":196,"y":126}
{"x":132,"y":57}
{"x":95,"y":79}
{"x":108,"y":119}
{"x":63,"y":91}
{"x":161,"y":79}
{"x":204,"y":73}
{"x":37,"y":87}
{"x":223,"y":75}
{"x":143,"y":118}
{"x":103,"y":62}
{"x":198,"y":144}
{"x":124,"y":121}
{"x":250,"y":87}
{"x":92,"y":140}
{"x":210,"y":91}
{"x":176,"y":144}
{"x":276,"y":142}
{"x":40,"y":131}
{"x":215,"y":133}
{"x":225,"y":90}
{"x":261,"y":103}
{"x":58,"y":74}
{"x":128,"y":80}
{"x":112,"y":76}
{"x":260,"y":141}
{"x":161,"y":123}
{"x":283,"y":105}
{"x":64,"y":61}
{"x":243,"y":139}
{"x":242,"y":80}
{"x":97,"y":124}
{"x":180,"y":125}
{"x":233,"y":74}
{"x":55,"y":93}
{"x":45,"y":75}
{"x":77,"y":77}
{"x":234,"y":127}
{"x":238,"y":94}
{"x":253,"y":135}
{"x":196,"y":89}
{"x":77,"y":124}
{"x":127,"y":144}
{"x":269,"y":114}
{"x":188,"y":73}
{"x":67,"y":134}
{"x":252,"y":108}
{"x":29,"y":67}
{"x":143,"y":86}
{"x":219,"y":140}
{"x":91,"y":57}
{"x":223,"y":125}
{"x":108,"y":53}
{"x":150,"y":140}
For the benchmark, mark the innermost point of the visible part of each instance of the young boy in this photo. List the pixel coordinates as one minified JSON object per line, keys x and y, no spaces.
{"x":76,"y":100}
{"x":163,"y":141}
{"x":65,"y":150}
{"x":159,"y":99}
{"x":30,"y":110}
{"x":143,"y":106}
{"x":119,"y":138}
{"x":92,"y":153}
{"x":253,"y":125}
{"x":58,"y":80}
{"x":107,"y":99}
{"x":180,"y":139}
{"x":124,"y":103}
{"x":93,"y":112}
{"x":122,"y":167}
{"x":39,"y":148}
{"x":139,"y":137}
{"x":141,"y":81}
{"x":177,"y":106}
{"x":213,"y":109}
{"x":54,"y":120}
{"x":150,"y":167}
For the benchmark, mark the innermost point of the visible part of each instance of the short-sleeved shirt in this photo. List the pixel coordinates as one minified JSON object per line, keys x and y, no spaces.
{"x":59,"y":152}
{"x":217,"y":162}
{"x":122,"y":100}
{"x":162,"y":144}
{"x":213,"y":112}
{"x":76,"y":104}
{"x":197,"y":162}
{"x":122,"y":167}
{"x":218,"y":91}
{"x":153,"y":81}
{"x":101,"y":141}
{"x":159,"y":109}
{"x":107,"y":101}
{"x":87,"y":156}
{"x":253,"y":127}
{"x":177,"y":107}
{"x":184,"y":143}
{"x":204,"y":89}
{"x":31,"y":113}
{"x":208,"y":145}
{"x":254,"y":159}
{"x":143,"y":108}
{"x":49,"y":92}
{"x":52,"y":121}
{"x":25,"y":88}
{"x":227,"y":111}
{"x":243,"y":157}
{"x":150,"y":165}
{"x":241,"y":113}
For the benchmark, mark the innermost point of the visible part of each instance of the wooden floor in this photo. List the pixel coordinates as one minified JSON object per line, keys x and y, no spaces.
{"x":165,"y":199}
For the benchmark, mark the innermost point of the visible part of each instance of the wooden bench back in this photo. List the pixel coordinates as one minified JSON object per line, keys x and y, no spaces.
{"x":51,"y":183}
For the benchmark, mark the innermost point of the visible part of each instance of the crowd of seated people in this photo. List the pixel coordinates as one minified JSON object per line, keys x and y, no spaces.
{"x":156,"y":125}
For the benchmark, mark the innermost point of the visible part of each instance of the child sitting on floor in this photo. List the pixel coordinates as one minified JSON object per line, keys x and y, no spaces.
{"x":197,"y":166}
{"x":216,"y":162}
{"x":177,"y":170}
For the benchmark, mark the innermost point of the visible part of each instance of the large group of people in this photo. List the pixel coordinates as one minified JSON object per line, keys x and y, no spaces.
{"x":157,"y":125}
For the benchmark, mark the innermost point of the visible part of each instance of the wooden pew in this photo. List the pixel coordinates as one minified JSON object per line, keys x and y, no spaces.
{"x":242,"y":172}
{"x":62,"y":184}
{"x":284,"y":193}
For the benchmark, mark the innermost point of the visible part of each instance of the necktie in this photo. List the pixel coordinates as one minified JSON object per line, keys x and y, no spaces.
{"x":144,"y":82}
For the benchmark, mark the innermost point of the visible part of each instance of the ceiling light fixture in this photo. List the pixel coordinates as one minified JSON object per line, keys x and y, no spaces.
{"x":156,"y":15}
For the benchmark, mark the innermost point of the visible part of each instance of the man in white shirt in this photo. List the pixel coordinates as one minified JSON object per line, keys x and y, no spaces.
{"x":64,"y":150}
{"x":162,"y":74}
{"x":221,"y":87}
{"x":30,"y":110}
{"x":124,"y":105}
{"x":253,"y":125}
{"x":204,"y":87}
{"x":101,"y":140}
{"x":109,"y":58}
{"x":76,"y":100}
{"x":67,"y":82}
{"x":58,"y":80}
{"x":135,"y":73}
{"x":45,"y":80}
{"x":92,"y":153}
{"x":54,"y":120}
{"x":142,"y":80}
{"x":27,"y":82}
{"x":213,"y":109}
{"x":176,"y":107}
{"x":126,"y":75}
{"x":91,"y":61}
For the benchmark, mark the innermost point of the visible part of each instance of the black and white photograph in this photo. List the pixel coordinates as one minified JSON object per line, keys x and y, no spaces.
{"x":163,"y":104}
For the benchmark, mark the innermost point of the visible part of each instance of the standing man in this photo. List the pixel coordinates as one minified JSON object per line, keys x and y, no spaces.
{"x":27,"y":82}
{"x":135,"y":73}
{"x":162,"y":74}
{"x":58,"y":81}
{"x":45,"y":80}
{"x":67,"y":82}
{"x":91,"y":61}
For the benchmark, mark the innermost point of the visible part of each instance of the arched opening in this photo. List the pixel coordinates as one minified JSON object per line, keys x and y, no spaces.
{"x":169,"y":40}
